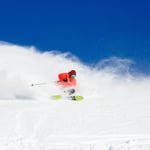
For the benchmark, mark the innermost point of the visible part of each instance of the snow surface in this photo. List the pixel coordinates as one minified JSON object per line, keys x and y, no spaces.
{"x":114,"y":115}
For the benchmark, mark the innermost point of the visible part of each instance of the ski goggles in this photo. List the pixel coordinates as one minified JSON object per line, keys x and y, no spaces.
{"x":73,"y":76}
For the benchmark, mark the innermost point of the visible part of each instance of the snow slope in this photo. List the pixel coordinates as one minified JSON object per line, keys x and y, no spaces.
{"x":114,"y":115}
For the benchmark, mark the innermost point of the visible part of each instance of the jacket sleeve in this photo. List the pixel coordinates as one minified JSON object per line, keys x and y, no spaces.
{"x":64,"y":80}
{"x":62,"y":77}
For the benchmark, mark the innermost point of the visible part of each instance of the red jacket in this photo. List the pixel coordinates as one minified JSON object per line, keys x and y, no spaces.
{"x":66,"y":80}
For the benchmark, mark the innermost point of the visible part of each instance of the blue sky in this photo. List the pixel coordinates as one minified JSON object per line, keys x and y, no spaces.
{"x":92,"y":30}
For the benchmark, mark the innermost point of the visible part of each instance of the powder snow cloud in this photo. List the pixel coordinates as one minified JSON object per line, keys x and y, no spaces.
{"x":22,"y":66}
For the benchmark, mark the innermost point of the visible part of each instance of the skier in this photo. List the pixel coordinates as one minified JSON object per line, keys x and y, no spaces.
{"x":68,"y":80}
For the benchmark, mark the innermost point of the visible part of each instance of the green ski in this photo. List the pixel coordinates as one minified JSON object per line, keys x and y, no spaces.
{"x":56,"y":97}
{"x":75,"y":97}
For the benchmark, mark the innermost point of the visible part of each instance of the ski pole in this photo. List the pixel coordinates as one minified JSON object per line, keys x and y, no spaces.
{"x":38,"y":84}
{"x":42,"y":83}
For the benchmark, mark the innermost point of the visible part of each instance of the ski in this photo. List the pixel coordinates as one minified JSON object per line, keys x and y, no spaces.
{"x":56,"y":97}
{"x":75,"y":97}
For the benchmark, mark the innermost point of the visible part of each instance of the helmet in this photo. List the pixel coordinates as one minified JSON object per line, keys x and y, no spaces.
{"x":72,"y":73}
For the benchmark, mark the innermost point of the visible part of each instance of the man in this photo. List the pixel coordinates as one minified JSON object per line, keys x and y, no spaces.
{"x":68,"y":80}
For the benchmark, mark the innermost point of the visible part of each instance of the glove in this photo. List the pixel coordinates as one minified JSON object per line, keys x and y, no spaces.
{"x":65,"y":80}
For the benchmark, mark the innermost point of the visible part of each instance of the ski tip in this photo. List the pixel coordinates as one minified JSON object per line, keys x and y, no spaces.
{"x":56,"y":97}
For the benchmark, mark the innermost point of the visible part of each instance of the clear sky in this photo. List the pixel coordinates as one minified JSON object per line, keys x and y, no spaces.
{"x":92,"y":30}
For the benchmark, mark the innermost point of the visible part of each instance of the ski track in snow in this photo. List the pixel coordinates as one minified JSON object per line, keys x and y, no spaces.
{"x":114,"y":114}
{"x":78,"y":143}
